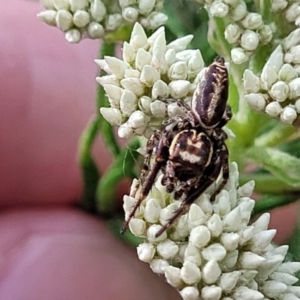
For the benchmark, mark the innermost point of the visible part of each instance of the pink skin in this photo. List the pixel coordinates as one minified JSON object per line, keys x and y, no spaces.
{"x":49,"y":249}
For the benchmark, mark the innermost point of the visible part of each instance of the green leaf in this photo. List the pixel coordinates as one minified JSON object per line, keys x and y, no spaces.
{"x":122,"y":167}
{"x":282,"y":165}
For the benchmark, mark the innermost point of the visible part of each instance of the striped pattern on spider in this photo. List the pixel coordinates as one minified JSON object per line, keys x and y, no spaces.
{"x":189,"y":150}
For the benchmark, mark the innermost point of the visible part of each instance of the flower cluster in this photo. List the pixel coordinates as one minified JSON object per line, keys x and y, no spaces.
{"x":95,"y":18}
{"x":151,"y":72}
{"x":246,"y":30}
{"x":277,"y":89}
{"x":292,"y":13}
{"x":212,"y":252}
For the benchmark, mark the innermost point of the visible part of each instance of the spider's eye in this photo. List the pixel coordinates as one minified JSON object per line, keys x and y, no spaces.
{"x":210,"y":98}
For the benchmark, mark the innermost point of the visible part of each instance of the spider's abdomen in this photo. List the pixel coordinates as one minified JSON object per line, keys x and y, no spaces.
{"x":191,"y":151}
{"x":210,"y":99}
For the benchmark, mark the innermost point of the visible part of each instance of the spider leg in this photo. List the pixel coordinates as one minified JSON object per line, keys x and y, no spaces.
{"x":209,"y":176}
{"x":149,"y":176}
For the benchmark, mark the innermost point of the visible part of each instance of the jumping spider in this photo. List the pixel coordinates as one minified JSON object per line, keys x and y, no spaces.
{"x":190,"y":151}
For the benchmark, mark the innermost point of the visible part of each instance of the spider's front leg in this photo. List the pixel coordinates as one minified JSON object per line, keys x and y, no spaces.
{"x":148,"y":176}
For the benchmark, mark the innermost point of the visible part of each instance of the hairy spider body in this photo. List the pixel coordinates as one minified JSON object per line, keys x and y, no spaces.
{"x":190,"y":151}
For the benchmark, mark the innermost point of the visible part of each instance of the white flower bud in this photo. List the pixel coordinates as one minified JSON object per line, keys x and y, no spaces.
{"x":154,"y":20}
{"x":232,"y":221}
{"x":125,"y":131}
{"x":128,"y":103}
{"x":130,"y":14}
{"x":262,"y":222}
{"x":170,"y":56}
{"x":137,"y":227}
{"x":195,"y":64}
{"x":158,"y":265}
{"x":294,"y":86}
{"x":117,"y":66}
{"x":158,"y":109}
{"x":158,"y":55}
{"x":114,"y":94}
{"x":160,"y":90}
{"x":278,"y":5}
{"x":289,"y":267}
{"x":192,"y":254}
{"x":64,"y":20}
{"x":273,"y":288}
{"x":144,"y":104}
{"x":273,"y":109}
{"x":178,"y":71}
{"x":95,"y":30}
{"x":152,"y":231}
{"x":128,"y":53}
{"x":146,"y":6}
{"x":265,"y":34}
{"x":128,"y":203}
{"x":249,"y":40}
{"x":292,"y":12}
{"x":288,"y":115}
{"x":243,"y":292}
{"x":293,"y":55}
{"x":179,"y":88}
{"x":261,"y":240}
{"x":196,"y":216}
{"x":246,"y":190}
{"x":81,"y":18}
{"x":132,"y":73}
{"x":142,"y":58}
{"x":48,"y":17}
{"x":134,"y":85}
{"x":189,"y":293}
{"x":252,"y":21}
{"x":228,"y":281}
{"x":219,"y":9}
{"x":108,"y":79}
{"x":239,"y":55}
{"x":211,"y":272}
{"x":61,"y":4}
{"x":98,"y":10}
{"x":223,"y":204}
{"x":173,"y":277}
{"x":230,"y":240}
{"x":287,"y":73}
{"x":190,"y":273}
{"x":214,"y":252}
{"x":111,"y":115}
{"x":200,"y":236}
{"x":292,"y":39}
{"x":113,"y":22}
{"x":167,"y":249}
{"x":181,"y":43}
{"x":285,"y":278}
{"x":238,"y":12}
{"x":145,"y":252}
{"x":215,"y":225}
{"x":279,"y":91}
{"x":297,"y":106}
{"x":78,"y":4}
{"x":174,"y":110}
{"x":73,"y":36}
{"x":185,"y":55}
{"x":251,"y":261}
{"x":232,"y":33}
{"x":103,"y":65}
{"x":230,"y":260}
{"x":149,"y":76}
{"x":211,"y":293}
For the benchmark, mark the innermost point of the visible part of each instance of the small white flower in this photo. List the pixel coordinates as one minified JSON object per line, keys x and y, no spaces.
{"x":288,"y":115}
{"x":239,"y":55}
{"x":219,"y":9}
{"x":238,"y":12}
{"x":279,"y":91}
{"x":256,"y":101}
{"x":232,"y":33}
{"x":249,"y":40}
{"x":273,"y":109}
{"x":278,"y":5}
{"x":292,"y":12}
{"x":252,"y":21}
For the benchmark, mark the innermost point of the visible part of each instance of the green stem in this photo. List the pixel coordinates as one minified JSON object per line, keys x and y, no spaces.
{"x":89,"y":170}
{"x":122,"y":167}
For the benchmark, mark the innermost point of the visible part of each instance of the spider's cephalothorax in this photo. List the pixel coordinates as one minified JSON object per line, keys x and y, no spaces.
{"x":190,"y":151}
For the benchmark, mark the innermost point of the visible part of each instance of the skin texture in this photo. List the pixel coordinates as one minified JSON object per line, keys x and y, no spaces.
{"x":48,"y":248}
